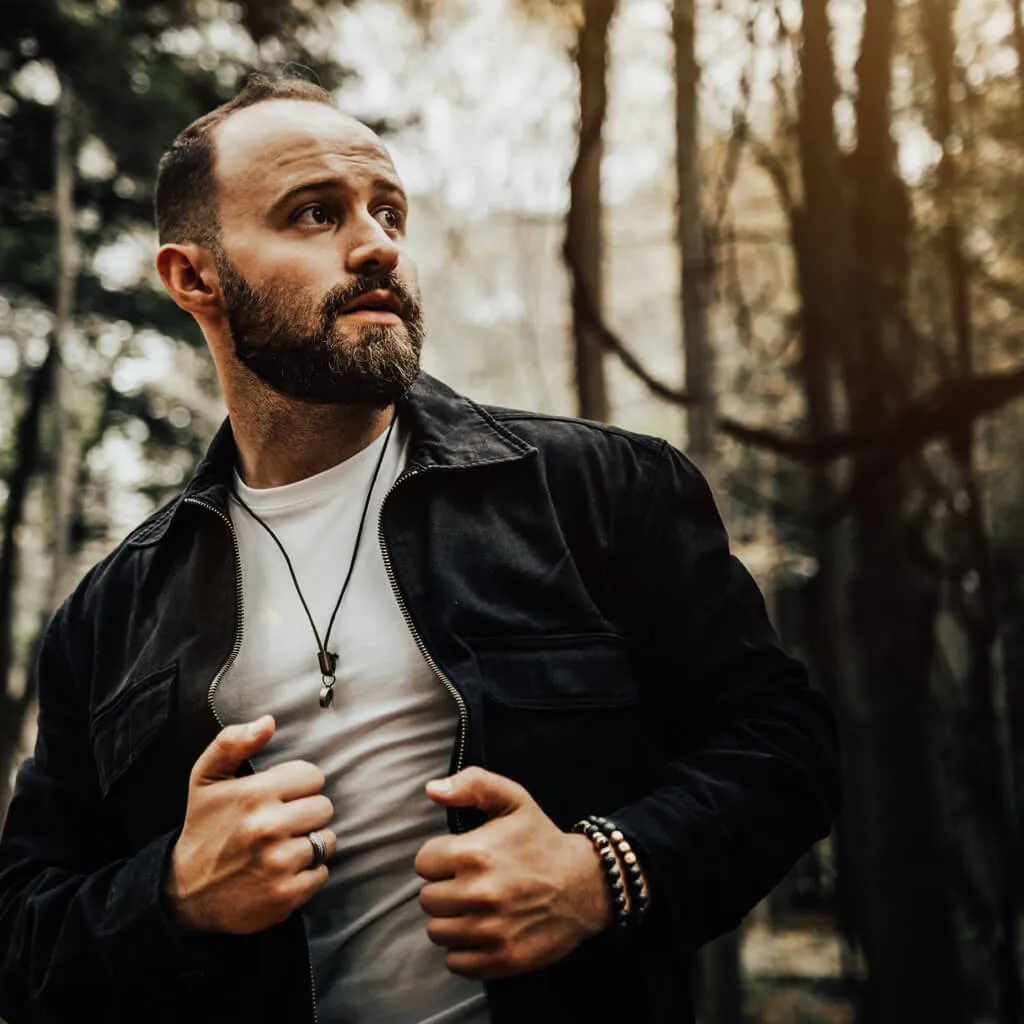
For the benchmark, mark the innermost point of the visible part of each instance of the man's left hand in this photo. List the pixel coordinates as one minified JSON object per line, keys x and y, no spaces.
{"x":513,"y":895}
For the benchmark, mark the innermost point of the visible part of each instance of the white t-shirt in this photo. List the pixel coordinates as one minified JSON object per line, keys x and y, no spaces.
{"x":390,"y":729}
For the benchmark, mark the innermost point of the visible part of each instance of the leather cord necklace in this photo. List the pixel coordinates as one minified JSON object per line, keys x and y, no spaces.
{"x":328,"y":659}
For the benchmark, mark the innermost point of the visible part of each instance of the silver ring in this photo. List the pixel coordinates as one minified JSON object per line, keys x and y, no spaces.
{"x":319,"y":849}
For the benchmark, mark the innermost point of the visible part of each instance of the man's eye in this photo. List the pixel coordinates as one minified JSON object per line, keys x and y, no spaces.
{"x":390,"y":218}
{"x":317,"y":214}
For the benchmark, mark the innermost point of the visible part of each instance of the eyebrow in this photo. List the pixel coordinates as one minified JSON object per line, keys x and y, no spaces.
{"x":380,"y":184}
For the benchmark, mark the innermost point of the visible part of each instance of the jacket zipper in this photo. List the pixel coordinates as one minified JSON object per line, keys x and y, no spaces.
{"x":460,"y":753}
{"x":211,"y":693}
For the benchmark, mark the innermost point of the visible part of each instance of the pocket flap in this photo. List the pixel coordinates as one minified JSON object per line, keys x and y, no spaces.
{"x":125,"y":726}
{"x":558,"y":672}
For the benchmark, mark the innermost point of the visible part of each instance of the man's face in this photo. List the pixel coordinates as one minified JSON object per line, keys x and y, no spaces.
{"x":322,"y":301}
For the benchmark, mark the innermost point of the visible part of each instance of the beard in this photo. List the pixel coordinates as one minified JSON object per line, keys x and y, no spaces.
{"x":296,"y":348}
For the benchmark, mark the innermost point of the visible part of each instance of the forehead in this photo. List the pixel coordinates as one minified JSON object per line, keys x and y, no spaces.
{"x":265,"y":150}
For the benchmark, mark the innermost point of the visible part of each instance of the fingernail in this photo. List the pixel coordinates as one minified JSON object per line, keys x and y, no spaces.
{"x":442,"y":787}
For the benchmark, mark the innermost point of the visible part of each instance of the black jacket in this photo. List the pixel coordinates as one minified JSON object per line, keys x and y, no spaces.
{"x":571,"y":581}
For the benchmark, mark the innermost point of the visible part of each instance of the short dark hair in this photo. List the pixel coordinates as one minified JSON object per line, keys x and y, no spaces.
{"x":185,"y":199}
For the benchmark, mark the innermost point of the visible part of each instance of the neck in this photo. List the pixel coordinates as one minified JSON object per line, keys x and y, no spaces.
{"x":281,"y":440}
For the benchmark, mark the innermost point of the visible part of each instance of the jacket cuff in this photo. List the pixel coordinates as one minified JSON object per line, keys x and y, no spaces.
{"x":661,"y":872}
{"x":148,"y":937}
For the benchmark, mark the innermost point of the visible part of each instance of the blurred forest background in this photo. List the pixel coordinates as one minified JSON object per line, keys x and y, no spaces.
{"x":788,"y":235}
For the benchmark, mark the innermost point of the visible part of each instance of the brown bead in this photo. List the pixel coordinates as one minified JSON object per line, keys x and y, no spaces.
{"x":624,"y":847}
{"x":630,"y":858}
{"x":616,"y":836}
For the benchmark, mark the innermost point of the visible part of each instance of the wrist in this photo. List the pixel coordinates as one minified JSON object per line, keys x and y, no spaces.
{"x":624,"y":878}
{"x":175,"y":903}
{"x":591,"y":901}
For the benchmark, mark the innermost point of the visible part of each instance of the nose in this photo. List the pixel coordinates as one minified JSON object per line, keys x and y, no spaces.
{"x":372,"y":250}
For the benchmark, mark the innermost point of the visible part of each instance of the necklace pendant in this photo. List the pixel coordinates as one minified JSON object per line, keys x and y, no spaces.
{"x":328,"y":663}
{"x":327,"y":693}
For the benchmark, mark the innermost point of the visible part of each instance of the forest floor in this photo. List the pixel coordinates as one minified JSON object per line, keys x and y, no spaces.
{"x":795,"y":976}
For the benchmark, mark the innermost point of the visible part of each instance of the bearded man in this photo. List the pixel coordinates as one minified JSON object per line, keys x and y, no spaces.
{"x":407,"y":710}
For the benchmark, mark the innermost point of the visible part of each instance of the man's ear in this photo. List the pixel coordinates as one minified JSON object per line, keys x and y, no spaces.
{"x":190,"y":278}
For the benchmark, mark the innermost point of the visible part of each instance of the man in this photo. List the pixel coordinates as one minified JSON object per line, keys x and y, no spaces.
{"x":314,"y":739}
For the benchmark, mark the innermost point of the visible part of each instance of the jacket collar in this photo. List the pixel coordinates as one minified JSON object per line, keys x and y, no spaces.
{"x":449,"y":431}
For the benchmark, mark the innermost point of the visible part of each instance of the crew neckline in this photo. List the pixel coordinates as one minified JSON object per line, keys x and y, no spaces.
{"x":346,"y":473}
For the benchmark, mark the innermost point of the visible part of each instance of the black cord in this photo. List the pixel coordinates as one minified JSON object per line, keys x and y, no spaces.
{"x":327,"y":660}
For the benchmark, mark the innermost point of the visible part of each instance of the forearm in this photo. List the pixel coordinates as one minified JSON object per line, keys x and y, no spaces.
{"x":748,"y":772}
{"x":71,"y":928}
{"x":731,"y":816}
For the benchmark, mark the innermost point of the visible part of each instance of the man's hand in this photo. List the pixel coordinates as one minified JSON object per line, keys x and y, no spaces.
{"x":515,"y":894}
{"x":243,"y":860}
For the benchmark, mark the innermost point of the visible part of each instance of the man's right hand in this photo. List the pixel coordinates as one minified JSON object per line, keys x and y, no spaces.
{"x":243,"y":861}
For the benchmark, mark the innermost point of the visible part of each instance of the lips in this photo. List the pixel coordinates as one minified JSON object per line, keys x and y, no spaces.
{"x":380,"y":300}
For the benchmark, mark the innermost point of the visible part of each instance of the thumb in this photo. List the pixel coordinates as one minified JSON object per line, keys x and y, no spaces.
{"x":493,"y":794}
{"x":231,"y":747}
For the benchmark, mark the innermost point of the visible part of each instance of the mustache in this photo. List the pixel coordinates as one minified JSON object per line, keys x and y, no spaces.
{"x":338,"y":298}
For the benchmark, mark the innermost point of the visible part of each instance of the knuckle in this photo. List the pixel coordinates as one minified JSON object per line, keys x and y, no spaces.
{"x":317,"y":779}
{"x":474,"y":855}
{"x":280,"y":895}
{"x":301,"y":773}
{"x":260,"y":828}
{"x":490,"y":933}
{"x":273,"y":860}
{"x":510,"y":959}
{"x":419,"y":863}
{"x":485,"y":896}
{"x":254,"y":790}
{"x":464,"y":967}
{"x":224,"y":741}
{"x":316,"y":879}
{"x":223,"y":738}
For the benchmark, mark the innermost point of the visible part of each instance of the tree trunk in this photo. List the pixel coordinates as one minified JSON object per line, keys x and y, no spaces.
{"x":13,"y":708}
{"x":691,"y":240}
{"x":905,"y":921}
{"x":722,"y":988}
{"x":67,"y":273}
{"x":823,"y":245}
{"x":584,"y":239}
{"x":984,"y":758}
{"x":47,"y":388}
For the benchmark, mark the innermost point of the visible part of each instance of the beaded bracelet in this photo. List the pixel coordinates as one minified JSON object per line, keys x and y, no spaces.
{"x":610,"y":864}
{"x":638,"y":897}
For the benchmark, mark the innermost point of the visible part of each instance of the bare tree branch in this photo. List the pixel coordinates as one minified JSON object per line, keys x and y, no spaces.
{"x":935,"y":414}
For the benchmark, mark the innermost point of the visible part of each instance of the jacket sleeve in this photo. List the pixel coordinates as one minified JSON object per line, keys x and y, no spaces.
{"x":751,"y":776}
{"x":78,"y":921}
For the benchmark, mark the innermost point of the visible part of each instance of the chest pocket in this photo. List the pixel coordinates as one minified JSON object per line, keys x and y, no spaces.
{"x":561,"y":716}
{"x":568,"y":673}
{"x":126,"y":726}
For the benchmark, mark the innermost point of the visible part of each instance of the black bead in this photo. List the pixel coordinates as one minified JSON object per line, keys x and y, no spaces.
{"x":614,"y":872}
